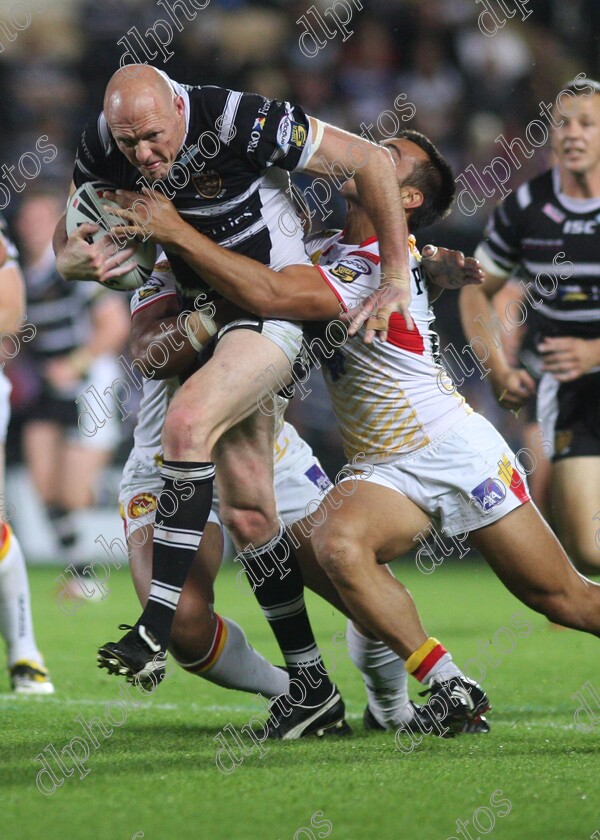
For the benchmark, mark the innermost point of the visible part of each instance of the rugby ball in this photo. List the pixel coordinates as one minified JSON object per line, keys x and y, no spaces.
{"x":87,"y":206}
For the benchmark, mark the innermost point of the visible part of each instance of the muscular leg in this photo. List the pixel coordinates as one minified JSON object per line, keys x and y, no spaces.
{"x":214,"y":399}
{"x":575,"y":502}
{"x":529,"y":560}
{"x":202,"y":642}
{"x":244,"y":458}
{"x":363,"y":532}
{"x":368,"y":525}
{"x":42,"y":445}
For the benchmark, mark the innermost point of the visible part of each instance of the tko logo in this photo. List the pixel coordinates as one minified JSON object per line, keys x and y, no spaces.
{"x":580,"y":226}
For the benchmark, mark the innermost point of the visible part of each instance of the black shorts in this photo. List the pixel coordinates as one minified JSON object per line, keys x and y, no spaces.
{"x":570,"y":415}
{"x":51,"y":408}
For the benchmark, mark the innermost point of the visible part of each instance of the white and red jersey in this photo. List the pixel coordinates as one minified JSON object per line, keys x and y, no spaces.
{"x":392,"y":397}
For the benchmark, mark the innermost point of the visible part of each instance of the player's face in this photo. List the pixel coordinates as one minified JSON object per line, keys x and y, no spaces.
{"x":149,"y":134}
{"x":577,"y":142}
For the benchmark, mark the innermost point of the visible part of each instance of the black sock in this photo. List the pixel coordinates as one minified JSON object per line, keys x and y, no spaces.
{"x":183,"y":509}
{"x":277,"y":583}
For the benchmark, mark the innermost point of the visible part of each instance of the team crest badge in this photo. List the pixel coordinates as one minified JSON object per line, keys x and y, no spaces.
{"x":208,"y":184}
{"x":141,"y":504}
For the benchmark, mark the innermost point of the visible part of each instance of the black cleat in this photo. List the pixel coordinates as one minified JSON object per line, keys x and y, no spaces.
{"x":477,"y":726}
{"x":138,"y":656}
{"x":289,"y":721}
{"x":453,"y":703}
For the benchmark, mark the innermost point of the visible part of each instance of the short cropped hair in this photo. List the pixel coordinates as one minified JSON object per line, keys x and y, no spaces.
{"x":433,"y":177}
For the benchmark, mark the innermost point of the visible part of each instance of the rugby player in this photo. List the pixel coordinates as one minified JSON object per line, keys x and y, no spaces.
{"x":203,"y":642}
{"x":224,"y":156}
{"x":26,"y":669}
{"x":395,"y":403}
{"x":548,"y":229}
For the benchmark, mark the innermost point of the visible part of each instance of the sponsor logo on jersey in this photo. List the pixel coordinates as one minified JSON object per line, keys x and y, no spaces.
{"x":141,"y":504}
{"x":348,"y":269}
{"x":259,"y":124}
{"x":553,"y":213}
{"x":299,"y":135}
{"x":576,"y":226}
{"x":318,"y":477}
{"x":367,"y":256}
{"x":208,"y":184}
{"x":284,"y":132}
{"x":489,"y":493}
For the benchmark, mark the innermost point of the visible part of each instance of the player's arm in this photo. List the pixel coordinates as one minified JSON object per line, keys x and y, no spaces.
{"x":297,"y":292}
{"x":512,"y":387}
{"x":377,"y":184}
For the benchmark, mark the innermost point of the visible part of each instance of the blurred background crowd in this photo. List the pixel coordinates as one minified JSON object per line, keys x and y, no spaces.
{"x":467,"y":87}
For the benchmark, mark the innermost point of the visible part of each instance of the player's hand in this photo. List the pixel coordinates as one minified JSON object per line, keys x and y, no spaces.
{"x":155,"y":219}
{"x":514,"y":388}
{"x":395,"y":296}
{"x":99,"y":261}
{"x":569,"y":358}
{"x":368,"y":307}
{"x":450,"y":269}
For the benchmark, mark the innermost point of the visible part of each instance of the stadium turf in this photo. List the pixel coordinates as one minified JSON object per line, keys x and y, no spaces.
{"x":155,"y":777}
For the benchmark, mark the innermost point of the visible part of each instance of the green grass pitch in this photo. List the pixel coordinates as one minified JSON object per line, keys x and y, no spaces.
{"x":536,"y":775}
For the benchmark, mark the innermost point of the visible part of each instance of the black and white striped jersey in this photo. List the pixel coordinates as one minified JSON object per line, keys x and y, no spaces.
{"x":230,"y":176}
{"x":60,"y":310}
{"x":554,"y":241}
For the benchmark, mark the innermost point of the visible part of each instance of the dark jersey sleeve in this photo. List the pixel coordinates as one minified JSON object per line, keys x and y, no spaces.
{"x":263,"y":132}
{"x":98,"y":158}
{"x":503,"y":234}
{"x":91,"y":161}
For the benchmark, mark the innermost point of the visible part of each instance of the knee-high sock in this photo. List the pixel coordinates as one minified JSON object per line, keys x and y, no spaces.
{"x":182,"y":512}
{"x":385,"y":678}
{"x":233,"y":663}
{"x":16,"y":624}
{"x":277,"y":583}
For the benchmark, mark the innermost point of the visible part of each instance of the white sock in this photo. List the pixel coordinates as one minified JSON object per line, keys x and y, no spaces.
{"x":384,"y":676}
{"x":233,"y":663}
{"x":16,"y":625}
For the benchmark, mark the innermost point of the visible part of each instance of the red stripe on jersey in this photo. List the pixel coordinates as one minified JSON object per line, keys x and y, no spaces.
{"x":368,"y":241}
{"x":429,"y":661}
{"x":332,"y":287}
{"x":367,"y":255}
{"x":517,"y":485}
{"x":406,"y":339}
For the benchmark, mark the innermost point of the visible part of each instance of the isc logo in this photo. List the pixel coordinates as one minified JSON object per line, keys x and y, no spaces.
{"x":579,"y":226}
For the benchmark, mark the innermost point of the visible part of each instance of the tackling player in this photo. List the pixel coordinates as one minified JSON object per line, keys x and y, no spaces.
{"x":205,"y":644}
{"x":548,"y":229}
{"x":422,"y":441}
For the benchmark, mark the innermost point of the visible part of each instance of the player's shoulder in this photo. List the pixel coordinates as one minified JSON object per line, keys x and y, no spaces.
{"x":317,"y":243}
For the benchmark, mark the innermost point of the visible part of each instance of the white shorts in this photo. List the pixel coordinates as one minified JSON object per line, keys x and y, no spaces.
{"x":103,"y":373}
{"x":287,"y":335}
{"x":299,"y":482}
{"x":464,"y":479}
{"x":140,"y":487}
{"x":5,"y":389}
